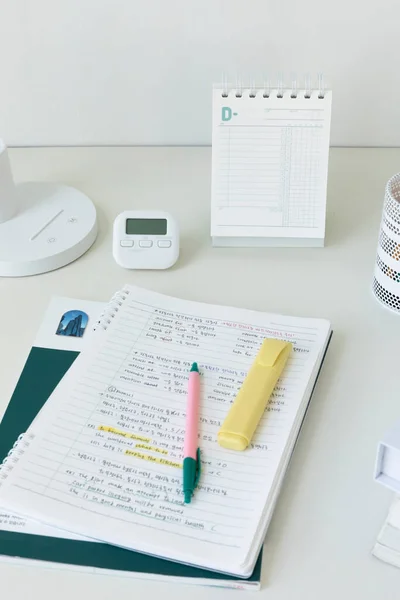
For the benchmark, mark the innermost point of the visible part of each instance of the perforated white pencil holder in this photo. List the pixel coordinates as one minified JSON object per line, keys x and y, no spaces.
{"x":386,"y":284}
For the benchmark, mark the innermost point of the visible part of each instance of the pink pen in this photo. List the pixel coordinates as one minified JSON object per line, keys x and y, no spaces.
{"x":191,"y":451}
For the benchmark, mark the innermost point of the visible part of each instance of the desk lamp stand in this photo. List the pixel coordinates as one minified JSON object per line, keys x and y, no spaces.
{"x":43,"y":226}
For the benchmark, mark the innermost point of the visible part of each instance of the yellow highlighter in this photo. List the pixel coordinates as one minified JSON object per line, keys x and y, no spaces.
{"x":246,"y":411}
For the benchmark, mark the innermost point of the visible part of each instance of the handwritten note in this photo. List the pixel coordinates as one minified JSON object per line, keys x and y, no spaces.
{"x":109,"y":442}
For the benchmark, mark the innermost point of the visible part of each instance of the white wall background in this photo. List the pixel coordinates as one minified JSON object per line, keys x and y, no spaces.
{"x":78,"y":72}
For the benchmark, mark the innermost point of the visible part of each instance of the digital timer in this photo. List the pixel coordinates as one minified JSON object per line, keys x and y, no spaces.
{"x":145,"y":239}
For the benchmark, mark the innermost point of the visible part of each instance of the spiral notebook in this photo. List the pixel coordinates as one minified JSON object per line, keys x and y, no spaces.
{"x":104,"y":456}
{"x":24,"y":542}
{"x":270,"y":149}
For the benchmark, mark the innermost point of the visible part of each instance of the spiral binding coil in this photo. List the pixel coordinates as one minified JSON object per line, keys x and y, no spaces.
{"x":18,"y":449}
{"x":277,"y":90}
{"x":110,"y":311}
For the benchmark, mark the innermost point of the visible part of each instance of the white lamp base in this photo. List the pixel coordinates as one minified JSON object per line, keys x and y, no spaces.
{"x":55,"y":224}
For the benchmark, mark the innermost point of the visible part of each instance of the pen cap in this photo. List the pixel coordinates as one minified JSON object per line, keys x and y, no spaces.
{"x":242,"y":419}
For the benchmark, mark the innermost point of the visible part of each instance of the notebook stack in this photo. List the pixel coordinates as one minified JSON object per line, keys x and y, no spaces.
{"x":93,"y":476}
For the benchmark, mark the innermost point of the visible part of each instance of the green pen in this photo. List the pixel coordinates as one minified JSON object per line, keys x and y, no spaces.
{"x":191,"y":451}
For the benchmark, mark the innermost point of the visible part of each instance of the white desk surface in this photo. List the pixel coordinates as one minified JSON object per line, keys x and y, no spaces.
{"x":329,"y":513}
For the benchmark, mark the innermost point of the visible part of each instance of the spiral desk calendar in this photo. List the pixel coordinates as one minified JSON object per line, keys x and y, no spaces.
{"x":386,"y":283}
{"x":270,"y":151}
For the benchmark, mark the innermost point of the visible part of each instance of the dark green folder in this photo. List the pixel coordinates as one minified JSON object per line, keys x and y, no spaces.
{"x":43,"y":370}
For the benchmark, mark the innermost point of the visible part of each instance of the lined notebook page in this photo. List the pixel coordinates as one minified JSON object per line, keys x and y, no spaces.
{"x":270,"y":161}
{"x":109,"y":440}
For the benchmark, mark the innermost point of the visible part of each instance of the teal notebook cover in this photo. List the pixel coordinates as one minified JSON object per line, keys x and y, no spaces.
{"x":42,"y":372}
